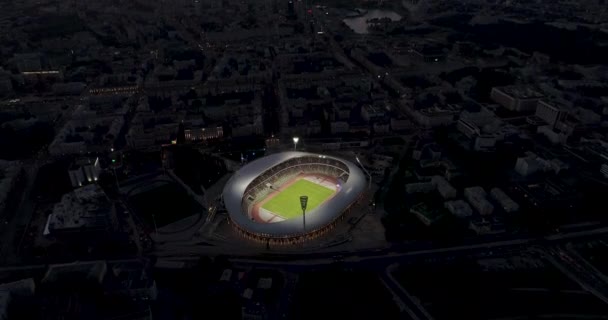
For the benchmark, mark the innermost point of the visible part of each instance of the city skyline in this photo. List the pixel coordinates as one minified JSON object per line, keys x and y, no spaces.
{"x":279,"y":159}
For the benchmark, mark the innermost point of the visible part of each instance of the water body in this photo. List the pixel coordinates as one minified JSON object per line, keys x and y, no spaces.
{"x":359,"y":24}
{"x":579,"y":46}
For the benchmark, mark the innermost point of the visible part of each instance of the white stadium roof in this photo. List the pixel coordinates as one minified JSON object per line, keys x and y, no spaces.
{"x":315,"y":219}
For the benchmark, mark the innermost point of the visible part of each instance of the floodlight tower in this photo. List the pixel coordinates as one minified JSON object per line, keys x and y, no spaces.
{"x":295,"y":142}
{"x":303,"y":203}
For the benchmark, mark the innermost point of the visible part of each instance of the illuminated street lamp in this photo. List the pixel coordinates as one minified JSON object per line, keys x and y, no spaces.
{"x":295,"y":142}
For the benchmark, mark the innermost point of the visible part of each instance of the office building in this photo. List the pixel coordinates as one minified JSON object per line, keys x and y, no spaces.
{"x":516,"y":98}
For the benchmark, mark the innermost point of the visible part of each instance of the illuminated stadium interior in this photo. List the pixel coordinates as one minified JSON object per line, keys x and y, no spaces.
{"x":262,"y":198}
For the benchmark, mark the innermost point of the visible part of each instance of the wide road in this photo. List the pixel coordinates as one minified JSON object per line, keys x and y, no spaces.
{"x":383,"y":256}
{"x":413,"y":308}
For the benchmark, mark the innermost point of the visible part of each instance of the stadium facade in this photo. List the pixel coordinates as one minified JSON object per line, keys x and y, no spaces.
{"x":253,"y":182}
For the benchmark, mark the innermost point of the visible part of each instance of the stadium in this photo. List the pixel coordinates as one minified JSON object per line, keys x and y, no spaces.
{"x":263,"y":197}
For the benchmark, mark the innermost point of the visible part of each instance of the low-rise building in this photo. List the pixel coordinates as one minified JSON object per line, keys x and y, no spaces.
{"x":430,"y":52}
{"x":476,"y":196}
{"x":426,"y":215}
{"x":459,"y":208}
{"x":130,"y":280}
{"x":94,"y":271}
{"x":371,"y":113}
{"x":400,"y":124}
{"x":339,"y":127}
{"x":6,"y":85}
{"x":532,"y":163}
{"x":507,"y":204}
{"x":517,"y":98}
{"x":87,"y":132}
{"x":483,"y":226}
{"x":480,"y":226}
{"x":8,"y":291}
{"x":445,"y":189}
{"x":10,"y":173}
{"x":434,"y":116}
{"x":467,"y":128}
{"x":551,"y":112}
{"x":5,"y":300}
{"x":604,"y":170}
{"x":148,"y":129}
{"x":422,"y":187}
{"x":527,"y":165}
{"x":85,"y":212}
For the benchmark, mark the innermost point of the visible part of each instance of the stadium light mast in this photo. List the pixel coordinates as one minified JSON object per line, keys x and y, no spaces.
{"x":295,"y":142}
{"x":303,"y":203}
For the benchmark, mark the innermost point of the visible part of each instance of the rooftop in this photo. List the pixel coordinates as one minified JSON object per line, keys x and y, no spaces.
{"x":94,"y":270}
{"x":86,"y":207}
{"x":521,"y":92}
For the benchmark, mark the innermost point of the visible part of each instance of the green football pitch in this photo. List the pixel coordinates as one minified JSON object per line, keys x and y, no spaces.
{"x":287,"y":203}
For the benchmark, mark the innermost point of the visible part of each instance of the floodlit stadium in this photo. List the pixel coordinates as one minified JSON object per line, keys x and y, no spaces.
{"x":263,"y":197}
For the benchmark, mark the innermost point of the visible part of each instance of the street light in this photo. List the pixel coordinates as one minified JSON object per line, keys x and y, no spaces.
{"x":295,"y":142}
{"x":369,"y":183}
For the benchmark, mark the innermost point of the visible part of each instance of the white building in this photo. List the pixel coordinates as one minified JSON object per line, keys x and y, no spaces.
{"x":516,"y":98}
{"x":528,"y":165}
{"x":459,"y":208}
{"x":485,"y":142}
{"x":504,"y":200}
{"x":553,"y":135}
{"x":551,"y":113}
{"x":339,"y":127}
{"x":531,"y":163}
{"x":434,"y":117}
{"x":82,"y":210}
{"x":467,"y":128}
{"x":604,"y":170}
{"x":445,"y":189}
{"x":476,"y":196}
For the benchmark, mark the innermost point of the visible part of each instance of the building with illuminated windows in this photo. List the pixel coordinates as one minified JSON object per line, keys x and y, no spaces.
{"x":202,"y":134}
